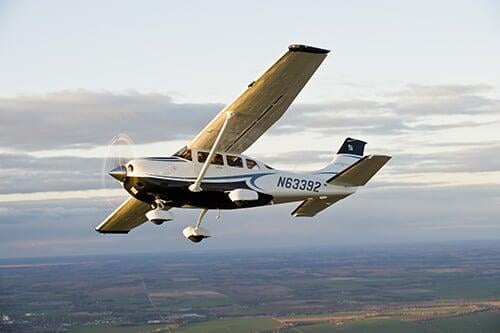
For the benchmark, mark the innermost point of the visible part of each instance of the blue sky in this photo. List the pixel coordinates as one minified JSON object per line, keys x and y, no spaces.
{"x":206,"y":51}
{"x":417,"y":80}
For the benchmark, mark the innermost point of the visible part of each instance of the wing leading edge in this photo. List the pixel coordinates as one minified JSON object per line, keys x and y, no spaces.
{"x":263,"y":102}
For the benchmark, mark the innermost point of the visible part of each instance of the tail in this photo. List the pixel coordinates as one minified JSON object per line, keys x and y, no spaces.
{"x":350,"y":167}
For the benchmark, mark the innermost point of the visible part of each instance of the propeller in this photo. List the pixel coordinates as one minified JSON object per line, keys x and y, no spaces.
{"x":119,"y":153}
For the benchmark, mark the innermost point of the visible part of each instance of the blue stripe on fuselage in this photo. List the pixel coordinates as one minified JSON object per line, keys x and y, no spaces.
{"x":252,"y":177}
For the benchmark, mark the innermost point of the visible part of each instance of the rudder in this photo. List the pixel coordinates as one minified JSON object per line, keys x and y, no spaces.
{"x":353,"y":147}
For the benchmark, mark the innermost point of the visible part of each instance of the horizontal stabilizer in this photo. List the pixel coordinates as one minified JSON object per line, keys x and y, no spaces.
{"x":360,"y":172}
{"x":313,"y":206}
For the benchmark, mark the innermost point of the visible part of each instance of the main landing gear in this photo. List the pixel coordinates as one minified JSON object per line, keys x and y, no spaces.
{"x":195,"y":233}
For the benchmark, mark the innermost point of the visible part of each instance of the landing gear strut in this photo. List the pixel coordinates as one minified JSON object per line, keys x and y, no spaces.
{"x":196,"y":233}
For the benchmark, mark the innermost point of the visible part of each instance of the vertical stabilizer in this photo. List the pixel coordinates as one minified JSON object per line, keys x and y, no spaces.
{"x":352,"y":147}
{"x":350,"y":152}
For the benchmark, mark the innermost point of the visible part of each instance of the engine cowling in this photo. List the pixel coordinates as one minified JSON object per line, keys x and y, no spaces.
{"x":240,"y":196}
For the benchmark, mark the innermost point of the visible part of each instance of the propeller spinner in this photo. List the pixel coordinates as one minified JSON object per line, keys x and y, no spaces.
{"x":119,"y":173}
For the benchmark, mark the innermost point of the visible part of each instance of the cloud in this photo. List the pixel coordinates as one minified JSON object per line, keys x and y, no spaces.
{"x":399,"y":215}
{"x":482,"y":158}
{"x":400,"y":112}
{"x":82,"y":118}
{"x":105,"y":194}
{"x":86,"y":119}
{"x":22,"y":173}
{"x":457,"y":158}
{"x":420,"y":100}
{"x":402,"y":204}
{"x":443,"y":90}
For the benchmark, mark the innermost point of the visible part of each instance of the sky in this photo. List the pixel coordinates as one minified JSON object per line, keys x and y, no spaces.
{"x":416,"y":80}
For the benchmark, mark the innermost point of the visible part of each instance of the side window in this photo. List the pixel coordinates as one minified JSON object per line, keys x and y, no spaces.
{"x":202,"y":156}
{"x":217,"y":160}
{"x":251,"y":164}
{"x":234,"y":161}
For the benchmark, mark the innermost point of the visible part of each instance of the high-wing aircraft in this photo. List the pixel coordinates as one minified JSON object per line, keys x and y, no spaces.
{"x":212,"y":173}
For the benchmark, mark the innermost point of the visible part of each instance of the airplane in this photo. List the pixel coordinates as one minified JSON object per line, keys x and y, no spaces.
{"x":211,"y":172}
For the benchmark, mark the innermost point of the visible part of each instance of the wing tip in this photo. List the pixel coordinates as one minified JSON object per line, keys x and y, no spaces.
{"x":307,"y":49}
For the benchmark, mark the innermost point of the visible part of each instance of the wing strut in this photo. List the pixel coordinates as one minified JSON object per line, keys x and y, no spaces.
{"x":195,"y":187}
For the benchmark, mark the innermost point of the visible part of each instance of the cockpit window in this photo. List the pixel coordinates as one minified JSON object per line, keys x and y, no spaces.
{"x":234,"y":161}
{"x":251,"y":164}
{"x":185,"y":154}
{"x":269,"y":167}
{"x":217,"y":159}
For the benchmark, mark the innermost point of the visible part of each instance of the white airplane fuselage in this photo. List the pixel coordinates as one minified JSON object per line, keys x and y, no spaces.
{"x":224,"y":186}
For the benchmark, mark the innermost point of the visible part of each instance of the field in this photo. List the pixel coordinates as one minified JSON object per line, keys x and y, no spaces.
{"x":478,"y":322}
{"x":431,"y":288}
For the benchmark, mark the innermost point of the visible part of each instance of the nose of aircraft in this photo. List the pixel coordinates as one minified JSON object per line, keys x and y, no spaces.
{"x":119,"y":173}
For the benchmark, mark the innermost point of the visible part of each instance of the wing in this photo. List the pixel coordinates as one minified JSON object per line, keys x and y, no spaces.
{"x":263,"y":102}
{"x":311,"y":207}
{"x":129,"y":215}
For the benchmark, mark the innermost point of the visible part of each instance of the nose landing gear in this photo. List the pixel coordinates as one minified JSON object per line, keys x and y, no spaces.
{"x":195,"y":233}
{"x":160,"y":214}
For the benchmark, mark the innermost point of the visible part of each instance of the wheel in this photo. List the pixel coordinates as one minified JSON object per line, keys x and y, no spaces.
{"x":195,"y":234}
{"x":158,"y":221}
{"x":196,"y":239}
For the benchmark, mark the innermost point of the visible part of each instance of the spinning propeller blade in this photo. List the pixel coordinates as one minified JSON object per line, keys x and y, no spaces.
{"x":119,"y":153}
